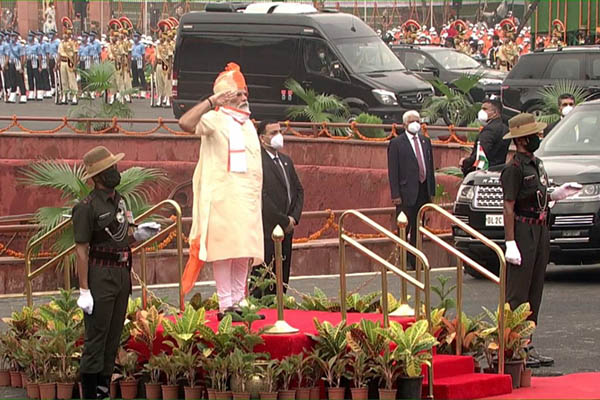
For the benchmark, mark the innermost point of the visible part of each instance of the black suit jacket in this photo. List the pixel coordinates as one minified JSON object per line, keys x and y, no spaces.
{"x":275,"y":210}
{"x":403,"y":169}
{"x":494,"y":146}
{"x":550,"y":127}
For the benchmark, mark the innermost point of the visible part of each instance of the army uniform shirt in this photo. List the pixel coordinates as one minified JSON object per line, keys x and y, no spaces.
{"x":525,"y":181}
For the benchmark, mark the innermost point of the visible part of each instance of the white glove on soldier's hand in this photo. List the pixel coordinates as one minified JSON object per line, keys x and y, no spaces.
{"x":512,"y":254}
{"x":86,"y":301}
{"x":565,"y":190}
{"x":146,"y":230}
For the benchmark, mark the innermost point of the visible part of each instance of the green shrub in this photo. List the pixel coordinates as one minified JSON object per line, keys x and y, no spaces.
{"x":365,"y":118}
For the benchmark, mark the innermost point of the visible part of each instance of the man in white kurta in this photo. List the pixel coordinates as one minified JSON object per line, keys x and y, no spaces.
{"x":227,"y":183}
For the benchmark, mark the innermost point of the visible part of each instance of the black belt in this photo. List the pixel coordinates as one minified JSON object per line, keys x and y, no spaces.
{"x":107,"y":257}
{"x":540,"y":220}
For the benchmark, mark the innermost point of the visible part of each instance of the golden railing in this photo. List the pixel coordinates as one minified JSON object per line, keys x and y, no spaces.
{"x":385,"y":267}
{"x":141,"y":248}
{"x":462,"y":258}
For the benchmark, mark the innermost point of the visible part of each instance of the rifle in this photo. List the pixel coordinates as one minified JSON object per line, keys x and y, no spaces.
{"x":58,"y":82}
{"x":152,"y":80}
{"x":3,"y":94}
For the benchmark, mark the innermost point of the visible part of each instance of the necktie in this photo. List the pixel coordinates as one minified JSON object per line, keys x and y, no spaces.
{"x":287,"y":182}
{"x":420,"y":160}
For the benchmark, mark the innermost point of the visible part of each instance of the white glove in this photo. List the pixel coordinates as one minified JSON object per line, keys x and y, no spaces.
{"x":565,"y":190}
{"x":146,"y":230}
{"x":86,"y":301}
{"x":512,"y":254}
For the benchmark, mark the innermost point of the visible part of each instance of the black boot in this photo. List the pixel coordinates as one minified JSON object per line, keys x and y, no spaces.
{"x":89,"y":384}
{"x":103,"y":391}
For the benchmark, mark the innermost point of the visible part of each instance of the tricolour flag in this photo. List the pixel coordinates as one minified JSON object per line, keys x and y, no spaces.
{"x":481,"y":160}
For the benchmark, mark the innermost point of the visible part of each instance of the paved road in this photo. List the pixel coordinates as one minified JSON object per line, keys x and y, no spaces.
{"x":568,"y":330}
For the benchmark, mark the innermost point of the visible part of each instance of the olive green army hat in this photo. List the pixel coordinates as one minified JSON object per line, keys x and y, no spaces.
{"x":99,"y":159}
{"x":523,"y":125}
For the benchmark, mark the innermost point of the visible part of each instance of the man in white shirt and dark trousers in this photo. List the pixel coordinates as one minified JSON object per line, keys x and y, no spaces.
{"x":411,"y":172}
{"x":282,"y":200}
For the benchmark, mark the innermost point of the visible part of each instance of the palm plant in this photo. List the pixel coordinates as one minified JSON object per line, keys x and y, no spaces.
{"x":550,"y":95}
{"x":100,"y":79}
{"x":318,"y":107}
{"x":455,"y":105}
{"x":136,"y":187}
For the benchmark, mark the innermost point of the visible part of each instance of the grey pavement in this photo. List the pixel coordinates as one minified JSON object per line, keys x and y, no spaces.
{"x":568,"y":327}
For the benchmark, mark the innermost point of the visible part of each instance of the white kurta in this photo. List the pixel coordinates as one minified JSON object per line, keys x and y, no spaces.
{"x":227,"y":205}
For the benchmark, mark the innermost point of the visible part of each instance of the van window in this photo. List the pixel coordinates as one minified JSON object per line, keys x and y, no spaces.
{"x":209,"y":53}
{"x":530,"y":67}
{"x":416,"y":61}
{"x":319,"y":58}
{"x":565,"y":66}
{"x":370,"y":54}
{"x":594,"y":66}
{"x":274,"y":56}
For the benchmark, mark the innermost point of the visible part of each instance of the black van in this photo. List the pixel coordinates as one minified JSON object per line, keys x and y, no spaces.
{"x":333,"y":53}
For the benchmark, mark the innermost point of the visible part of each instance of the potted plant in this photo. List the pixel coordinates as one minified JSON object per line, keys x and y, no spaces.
{"x":330,"y":340}
{"x":172,"y":370}
{"x":221,"y":366}
{"x":360,"y":370}
{"x":333,"y":369}
{"x":388,"y":369}
{"x":13,"y":346}
{"x":189,"y":362}
{"x":413,"y":350}
{"x":127,"y":361}
{"x":47,"y":381}
{"x":365,"y":338}
{"x":269,"y":373}
{"x":152,"y":369}
{"x":517,"y":333}
{"x":241,"y":365}
{"x":313,"y":375}
{"x":287,"y":370}
{"x":471,"y":339}
{"x":302,"y":373}
{"x":30,"y":357}
{"x":4,"y":361}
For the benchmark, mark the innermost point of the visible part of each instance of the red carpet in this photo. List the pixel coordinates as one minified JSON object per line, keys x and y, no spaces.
{"x":573,"y":386}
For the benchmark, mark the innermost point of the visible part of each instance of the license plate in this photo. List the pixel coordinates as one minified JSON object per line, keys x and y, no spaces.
{"x":494,"y":220}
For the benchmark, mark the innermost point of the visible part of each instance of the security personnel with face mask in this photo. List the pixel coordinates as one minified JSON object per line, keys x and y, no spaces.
{"x":526,"y":215}
{"x":103,"y":230}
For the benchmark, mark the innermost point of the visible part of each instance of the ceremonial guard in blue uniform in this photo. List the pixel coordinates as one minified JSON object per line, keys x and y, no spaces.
{"x":33,"y":53}
{"x":16,"y":60}
{"x":53,"y":59}
{"x":45,"y":66}
{"x":4,"y":83}
{"x":137,"y":65}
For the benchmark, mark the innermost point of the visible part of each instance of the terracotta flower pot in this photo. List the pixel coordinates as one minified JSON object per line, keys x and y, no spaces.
{"x":128,"y":389}
{"x":4,"y":378}
{"x":287,"y":394}
{"x":24,"y":379}
{"x":114,"y":388}
{"x":526,"y":378}
{"x":64,"y":390}
{"x":33,"y":390}
{"x":170,"y":392}
{"x":211,"y":394}
{"x":48,"y":391}
{"x":15,"y":379}
{"x":241,"y":396}
{"x":303,"y":393}
{"x":387,"y":394}
{"x":336,"y":393}
{"x":268,"y":395}
{"x":153,"y":391}
{"x":361,"y":393}
{"x":315,"y":393}
{"x":193,"y":393}
{"x":223,"y":396}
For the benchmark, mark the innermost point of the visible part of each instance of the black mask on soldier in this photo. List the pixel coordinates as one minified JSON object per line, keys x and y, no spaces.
{"x":533,"y":143}
{"x":110,"y":178}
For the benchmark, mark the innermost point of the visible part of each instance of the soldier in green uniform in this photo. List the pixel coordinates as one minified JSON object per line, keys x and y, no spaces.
{"x":526,"y":208}
{"x":103,"y":230}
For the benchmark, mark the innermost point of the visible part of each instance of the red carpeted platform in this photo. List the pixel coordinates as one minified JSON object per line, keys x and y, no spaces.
{"x":454,"y":376}
{"x":574,"y":386}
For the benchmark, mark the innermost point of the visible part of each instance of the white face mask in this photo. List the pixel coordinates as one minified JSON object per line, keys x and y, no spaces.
{"x":277,"y":141}
{"x":414,"y":127}
{"x":482,"y":116}
{"x":566,"y":110}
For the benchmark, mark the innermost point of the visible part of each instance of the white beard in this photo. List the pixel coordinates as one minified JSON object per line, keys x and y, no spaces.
{"x":246,"y":108}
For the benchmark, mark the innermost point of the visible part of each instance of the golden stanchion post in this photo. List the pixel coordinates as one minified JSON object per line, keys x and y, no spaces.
{"x":143,"y":260}
{"x":281,"y":326}
{"x":405,"y":310}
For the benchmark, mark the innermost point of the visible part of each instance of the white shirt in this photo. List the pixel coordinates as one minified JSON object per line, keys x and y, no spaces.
{"x":411,"y":140}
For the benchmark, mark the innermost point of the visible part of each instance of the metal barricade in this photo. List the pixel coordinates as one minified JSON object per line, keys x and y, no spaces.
{"x":462,"y":258}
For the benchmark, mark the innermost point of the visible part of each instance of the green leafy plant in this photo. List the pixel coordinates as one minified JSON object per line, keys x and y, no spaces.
{"x":185,"y":329}
{"x":242,"y":367}
{"x":330,"y":340}
{"x":455,"y":104}
{"x":361,"y":369}
{"x":333,"y":368}
{"x":412,"y":346}
{"x":362,"y":304}
{"x":444,"y":291}
{"x":221,"y":372}
{"x":319,"y":301}
{"x":550,"y":95}
{"x":318,"y":107}
{"x":366,"y":338}
{"x":189,"y":361}
{"x":145,"y":327}
{"x":471,"y":339}
{"x":269,"y":372}
{"x":136,"y":186}
{"x":211,"y":303}
{"x":287,"y":369}
{"x":387,"y":368}
{"x":517,"y":331}
{"x":172,"y":370}
{"x":365,"y":118}
{"x":127,"y":362}
{"x":153,"y":368}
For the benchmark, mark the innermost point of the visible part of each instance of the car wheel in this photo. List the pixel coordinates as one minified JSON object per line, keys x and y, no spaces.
{"x":536,"y":110}
{"x":352,"y":114}
{"x":491,"y":264}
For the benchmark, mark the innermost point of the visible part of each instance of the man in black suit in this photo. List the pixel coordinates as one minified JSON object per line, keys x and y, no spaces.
{"x":490,"y":137}
{"x":566,"y":102}
{"x":282,"y":199}
{"x":411,"y":172}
